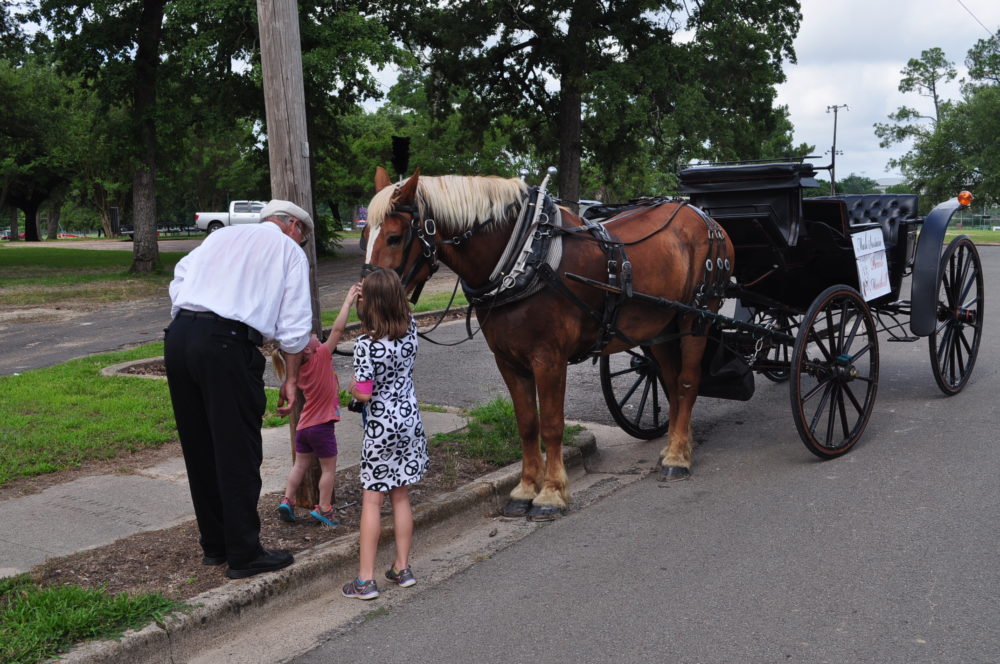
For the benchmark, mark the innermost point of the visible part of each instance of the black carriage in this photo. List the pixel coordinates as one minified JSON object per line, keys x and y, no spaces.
{"x":803,"y":315}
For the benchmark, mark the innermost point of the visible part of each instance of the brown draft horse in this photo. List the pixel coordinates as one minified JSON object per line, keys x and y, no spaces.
{"x":533,"y":339}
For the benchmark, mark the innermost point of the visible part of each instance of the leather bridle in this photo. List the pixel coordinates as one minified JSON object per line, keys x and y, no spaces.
{"x":424,"y":230}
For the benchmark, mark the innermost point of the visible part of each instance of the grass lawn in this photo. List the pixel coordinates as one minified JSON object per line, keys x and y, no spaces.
{"x":62,"y":416}
{"x":39,"y":275}
{"x":492,"y":434}
{"x":37,"y":623}
{"x":977,"y":235}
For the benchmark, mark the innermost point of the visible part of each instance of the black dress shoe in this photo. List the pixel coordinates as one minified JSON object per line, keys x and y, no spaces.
{"x":213,"y":560}
{"x":269,"y":561}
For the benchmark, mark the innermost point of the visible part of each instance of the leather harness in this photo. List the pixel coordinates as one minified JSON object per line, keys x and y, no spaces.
{"x":509,"y":285}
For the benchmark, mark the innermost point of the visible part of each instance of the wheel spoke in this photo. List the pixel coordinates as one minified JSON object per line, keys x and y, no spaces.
{"x":811,"y":393}
{"x":627,"y":370}
{"x":631,"y":391}
{"x":827,"y":388}
{"x":854,"y":400}
{"x":845,"y":426}
{"x":861,"y":353}
{"x":858,"y":320}
{"x":642,"y":403}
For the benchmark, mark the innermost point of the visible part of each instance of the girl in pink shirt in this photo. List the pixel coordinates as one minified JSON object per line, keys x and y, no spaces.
{"x":314,"y":434}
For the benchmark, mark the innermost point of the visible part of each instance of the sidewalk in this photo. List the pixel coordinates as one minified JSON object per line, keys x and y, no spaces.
{"x":97,"y":510}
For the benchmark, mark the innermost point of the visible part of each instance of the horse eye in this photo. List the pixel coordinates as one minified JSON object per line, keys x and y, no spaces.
{"x":393,"y":240}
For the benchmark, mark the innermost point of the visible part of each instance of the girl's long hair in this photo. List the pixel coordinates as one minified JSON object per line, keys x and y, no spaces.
{"x":383,"y":310}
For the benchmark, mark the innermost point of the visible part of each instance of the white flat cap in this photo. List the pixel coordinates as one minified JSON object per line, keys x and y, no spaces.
{"x":287,"y":207}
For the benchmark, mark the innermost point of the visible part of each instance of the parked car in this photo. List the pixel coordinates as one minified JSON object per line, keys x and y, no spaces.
{"x":240,"y":212}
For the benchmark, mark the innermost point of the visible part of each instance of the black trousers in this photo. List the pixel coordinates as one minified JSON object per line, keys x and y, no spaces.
{"x":216,"y":384}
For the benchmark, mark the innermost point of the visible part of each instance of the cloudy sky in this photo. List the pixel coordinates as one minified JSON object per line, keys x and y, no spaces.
{"x":852,"y":51}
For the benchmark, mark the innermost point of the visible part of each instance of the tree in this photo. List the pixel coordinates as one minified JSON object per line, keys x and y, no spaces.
{"x":555,"y":64}
{"x":924,"y":76}
{"x":960,"y":148}
{"x":857,"y":184}
{"x":32,"y":167}
{"x":115,"y":46}
{"x":983,"y":60}
{"x":12,"y":39}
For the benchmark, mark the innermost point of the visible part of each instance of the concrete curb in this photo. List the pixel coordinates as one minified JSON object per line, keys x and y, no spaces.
{"x":180,"y":633}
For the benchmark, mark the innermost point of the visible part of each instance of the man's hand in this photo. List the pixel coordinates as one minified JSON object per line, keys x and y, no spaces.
{"x":287,"y":398}
{"x":288,"y":395}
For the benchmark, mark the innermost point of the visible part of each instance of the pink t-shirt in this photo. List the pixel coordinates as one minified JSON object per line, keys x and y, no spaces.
{"x":318,"y":382}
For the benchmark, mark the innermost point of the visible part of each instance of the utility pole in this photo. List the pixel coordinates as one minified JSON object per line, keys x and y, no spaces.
{"x":288,"y":151}
{"x":833,"y":150}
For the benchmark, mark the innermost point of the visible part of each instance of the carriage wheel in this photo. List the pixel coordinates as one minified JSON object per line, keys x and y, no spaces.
{"x":779,"y":353}
{"x":633,"y":389}
{"x":834,"y":372}
{"x":954,"y":344}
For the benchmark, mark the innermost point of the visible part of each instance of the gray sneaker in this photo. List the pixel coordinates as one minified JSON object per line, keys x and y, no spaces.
{"x":359,"y":589}
{"x":404,"y":577}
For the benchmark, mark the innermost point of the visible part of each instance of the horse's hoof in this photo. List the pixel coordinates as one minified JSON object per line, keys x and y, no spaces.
{"x":674,"y":473}
{"x":545,"y":513}
{"x":517,"y":507}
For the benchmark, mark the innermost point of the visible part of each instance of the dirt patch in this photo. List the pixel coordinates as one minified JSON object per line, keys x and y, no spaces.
{"x":169,"y":561}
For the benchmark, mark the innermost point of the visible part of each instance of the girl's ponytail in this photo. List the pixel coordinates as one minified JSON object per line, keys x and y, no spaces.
{"x":278,"y":362}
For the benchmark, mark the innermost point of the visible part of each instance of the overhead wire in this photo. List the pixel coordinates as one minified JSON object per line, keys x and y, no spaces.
{"x":988,"y":31}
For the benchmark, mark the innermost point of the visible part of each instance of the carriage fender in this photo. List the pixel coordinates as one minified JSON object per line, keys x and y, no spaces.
{"x":927,"y":266}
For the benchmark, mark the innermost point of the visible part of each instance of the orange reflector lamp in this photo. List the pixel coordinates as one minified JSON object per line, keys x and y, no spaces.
{"x":965,"y":198}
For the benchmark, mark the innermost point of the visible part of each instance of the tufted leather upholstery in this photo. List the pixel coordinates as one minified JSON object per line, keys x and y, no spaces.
{"x":885,"y":209}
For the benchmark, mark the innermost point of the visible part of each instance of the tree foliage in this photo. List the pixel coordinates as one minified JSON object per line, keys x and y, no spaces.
{"x":607,"y":81}
{"x":33,"y":141}
{"x":959,"y":148}
{"x":857,"y":184}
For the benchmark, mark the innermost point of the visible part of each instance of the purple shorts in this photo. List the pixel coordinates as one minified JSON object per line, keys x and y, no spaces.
{"x":318,"y":439}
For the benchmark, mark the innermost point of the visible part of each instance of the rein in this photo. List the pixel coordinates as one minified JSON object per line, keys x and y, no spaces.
{"x":425,"y":230}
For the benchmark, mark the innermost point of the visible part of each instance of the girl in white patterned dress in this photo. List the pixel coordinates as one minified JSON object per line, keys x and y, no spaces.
{"x":394,"y":453}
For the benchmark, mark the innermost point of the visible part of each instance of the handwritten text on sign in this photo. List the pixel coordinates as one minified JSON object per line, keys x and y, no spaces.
{"x":873,"y":269}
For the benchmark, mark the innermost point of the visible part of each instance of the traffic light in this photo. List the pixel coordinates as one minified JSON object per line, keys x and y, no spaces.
{"x":400,"y":154}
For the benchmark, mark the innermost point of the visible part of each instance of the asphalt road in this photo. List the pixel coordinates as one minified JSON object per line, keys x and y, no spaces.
{"x":888,"y":554}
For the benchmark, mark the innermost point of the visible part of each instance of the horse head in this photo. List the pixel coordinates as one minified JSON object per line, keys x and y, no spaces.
{"x":397,"y":237}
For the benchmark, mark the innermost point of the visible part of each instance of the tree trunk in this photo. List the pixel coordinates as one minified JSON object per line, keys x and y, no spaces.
{"x":571,"y":81}
{"x":15,"y":232}
{"x":54,"y":213}
{"x":570,"y":127}
{"x":31,"y":221}
{"x":288,"y":151}
{"x":145,"y":252}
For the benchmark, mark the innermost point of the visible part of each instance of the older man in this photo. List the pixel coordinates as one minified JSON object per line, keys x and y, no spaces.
{"x":243,"y":284}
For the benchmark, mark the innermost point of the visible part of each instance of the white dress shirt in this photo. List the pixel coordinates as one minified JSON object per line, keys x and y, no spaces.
{"x":251,"y":273}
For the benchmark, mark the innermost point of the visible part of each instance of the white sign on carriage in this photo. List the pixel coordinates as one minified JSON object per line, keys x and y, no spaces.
{"x":873,"y":269}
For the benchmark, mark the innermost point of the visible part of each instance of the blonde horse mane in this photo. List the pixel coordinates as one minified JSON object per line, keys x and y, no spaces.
{"x":457,"y":202}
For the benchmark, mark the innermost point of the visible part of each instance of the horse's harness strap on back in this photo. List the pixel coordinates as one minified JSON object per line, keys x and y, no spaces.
{"x":718,"y":268}
{"x":532,"y":245}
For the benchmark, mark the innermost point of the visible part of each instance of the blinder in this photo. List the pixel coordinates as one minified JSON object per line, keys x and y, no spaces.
{"x":424,"y":229}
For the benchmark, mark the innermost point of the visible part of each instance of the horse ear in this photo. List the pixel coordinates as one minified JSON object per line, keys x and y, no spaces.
{"x":409,"y":189}
{"x":382,"y":179}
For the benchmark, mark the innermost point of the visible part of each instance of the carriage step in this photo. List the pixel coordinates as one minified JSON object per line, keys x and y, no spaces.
{"x":907,"y":339}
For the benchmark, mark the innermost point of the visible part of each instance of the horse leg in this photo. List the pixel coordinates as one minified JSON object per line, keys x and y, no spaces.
{"x":550,"y":502}
{"x":682,"y":374}
{"x":521,"y":386}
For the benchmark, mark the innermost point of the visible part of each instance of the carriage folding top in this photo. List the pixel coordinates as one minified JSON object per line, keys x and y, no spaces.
{"x":789,"y":247}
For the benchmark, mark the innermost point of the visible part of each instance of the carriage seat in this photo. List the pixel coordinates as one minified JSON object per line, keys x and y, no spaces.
{"x":887,"y":210}
{"x":757,"y":204}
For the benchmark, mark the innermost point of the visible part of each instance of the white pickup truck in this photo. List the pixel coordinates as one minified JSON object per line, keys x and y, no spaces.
{"x":240,"y":212}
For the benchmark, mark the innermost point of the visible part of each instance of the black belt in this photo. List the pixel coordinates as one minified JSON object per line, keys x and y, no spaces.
{"x":242,"y":331}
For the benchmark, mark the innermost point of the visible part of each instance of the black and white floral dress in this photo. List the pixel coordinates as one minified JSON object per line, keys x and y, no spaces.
{"x":395,"y":448}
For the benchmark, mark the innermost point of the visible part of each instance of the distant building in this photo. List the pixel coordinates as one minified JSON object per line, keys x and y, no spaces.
{"x":885,"y":183}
